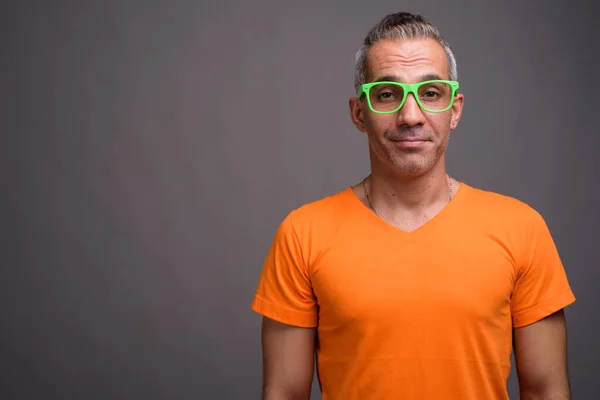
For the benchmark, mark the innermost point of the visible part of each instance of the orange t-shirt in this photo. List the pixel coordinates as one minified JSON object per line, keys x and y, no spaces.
{"x":426,"y":314}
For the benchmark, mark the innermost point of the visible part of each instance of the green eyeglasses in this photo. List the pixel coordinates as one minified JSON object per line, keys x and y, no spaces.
{"x":388,"y":97}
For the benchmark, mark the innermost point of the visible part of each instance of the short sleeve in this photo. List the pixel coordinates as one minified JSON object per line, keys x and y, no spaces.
{"x":284,"y":290}
{"x":542,"y":287}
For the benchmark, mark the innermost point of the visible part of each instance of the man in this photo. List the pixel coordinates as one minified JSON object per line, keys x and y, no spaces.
{"x":411,"y":284}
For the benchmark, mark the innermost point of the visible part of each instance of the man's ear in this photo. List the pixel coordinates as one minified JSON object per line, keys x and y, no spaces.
{"x":457,"y":108}
{"x":357,"y":114}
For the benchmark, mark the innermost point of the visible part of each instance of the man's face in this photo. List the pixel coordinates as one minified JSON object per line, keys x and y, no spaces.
{"x":411,"y":141}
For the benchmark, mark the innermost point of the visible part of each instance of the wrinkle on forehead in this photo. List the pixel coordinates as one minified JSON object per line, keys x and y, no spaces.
{"x":394,"y":57}
{"x":391,"y":60}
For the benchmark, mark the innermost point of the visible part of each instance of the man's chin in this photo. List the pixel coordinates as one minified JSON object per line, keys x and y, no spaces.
{"x":416,"y":167}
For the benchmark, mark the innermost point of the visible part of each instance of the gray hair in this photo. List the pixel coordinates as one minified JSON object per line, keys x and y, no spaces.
{"x":401,"y":25}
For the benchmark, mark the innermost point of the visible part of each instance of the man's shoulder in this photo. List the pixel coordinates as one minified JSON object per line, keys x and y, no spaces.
{"x":320,"y":218}
{"x":501,"y":205}
{"x":324,"y":208}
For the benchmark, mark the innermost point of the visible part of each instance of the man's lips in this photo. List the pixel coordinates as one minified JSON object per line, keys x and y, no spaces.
{"x":409,"y":142}
{"x":406,"y":137}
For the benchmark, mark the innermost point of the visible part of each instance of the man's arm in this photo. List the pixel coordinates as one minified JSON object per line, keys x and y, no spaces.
{"x":541,"y":359}
{"x":288,"y":361}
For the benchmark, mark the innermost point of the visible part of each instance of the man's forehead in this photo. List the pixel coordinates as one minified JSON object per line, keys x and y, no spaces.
{"x":399,"y":56}
{"x":402,"y":79}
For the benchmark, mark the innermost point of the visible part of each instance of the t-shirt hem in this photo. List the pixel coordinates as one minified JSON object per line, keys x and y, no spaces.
{"x":543,"y":309}
{"x":283,"y":315}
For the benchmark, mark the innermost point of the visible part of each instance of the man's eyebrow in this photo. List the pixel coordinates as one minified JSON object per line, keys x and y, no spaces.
{"x":395,"y":78}
{"x":430,"y":77}
{"x":388,"y":78}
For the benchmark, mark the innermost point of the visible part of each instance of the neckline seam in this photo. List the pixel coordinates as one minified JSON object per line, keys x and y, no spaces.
{"x":425,"y":229}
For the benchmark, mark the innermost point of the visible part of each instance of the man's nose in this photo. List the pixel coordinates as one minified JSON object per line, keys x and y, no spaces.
{"x":410,"y":114}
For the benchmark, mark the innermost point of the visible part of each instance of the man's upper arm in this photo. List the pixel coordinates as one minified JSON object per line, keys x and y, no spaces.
{"x":542,"y":287}
{"x":285,"y":291}
{"x":541,"y":358}
{"x":287,"y":302}
{"x":541,"y":293}
{"x":288,"y":360}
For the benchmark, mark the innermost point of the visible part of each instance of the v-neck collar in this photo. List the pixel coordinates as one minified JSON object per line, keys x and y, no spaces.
{"x":427,"y":228}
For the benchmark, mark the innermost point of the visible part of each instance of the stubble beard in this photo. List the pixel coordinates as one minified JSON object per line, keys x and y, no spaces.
{"x":410,"y":162}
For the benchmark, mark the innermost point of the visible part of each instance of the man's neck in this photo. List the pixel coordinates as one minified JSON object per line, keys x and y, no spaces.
{"x":408,"y":202}
{"x":409,"y":193}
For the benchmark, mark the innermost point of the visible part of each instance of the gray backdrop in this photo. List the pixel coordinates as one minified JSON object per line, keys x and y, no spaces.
{"x":150,"y":149}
